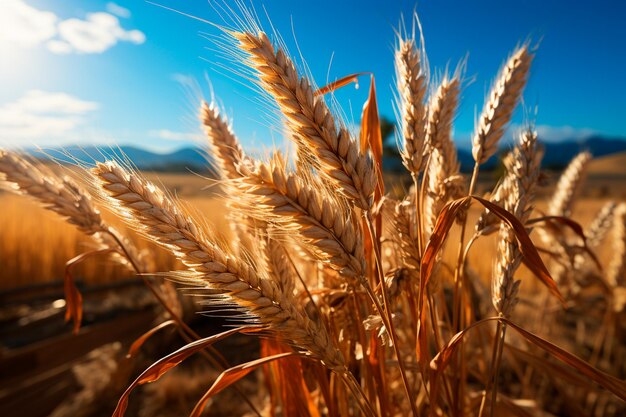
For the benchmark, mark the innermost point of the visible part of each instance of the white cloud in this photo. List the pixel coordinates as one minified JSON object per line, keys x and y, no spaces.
{"x":42,"y":116}
{"x":28,"y":26}
{"x":25,"y":25}
{"x":59,"y":47}
{"x":560,"y":133}
{"x":175,"y":136}
{"x":98,"y":33}
{"x":118,"y":10}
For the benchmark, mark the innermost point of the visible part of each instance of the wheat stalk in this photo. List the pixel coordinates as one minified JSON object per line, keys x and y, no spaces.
{"x":601,"y":224}
{"x":523,"y":176}
{"x":153,"y":214}
{"x":60,"y":195}
{"x":443,"y":179}
{"x":277,"y":263}
{"x":333,"y":150}
{"x":487,"y":220}
{"x":616,"y":272}
{"x":325,"y":226}
{"x":569,"y":186}
{"x":498,"y":110}
{"x":226,"y":153}
{"x":594,"y":234}
{"x":405,"y":233}
{"x":411,"y":84}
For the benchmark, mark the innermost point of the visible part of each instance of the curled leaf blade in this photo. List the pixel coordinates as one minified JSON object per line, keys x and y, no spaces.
{"x":442,"y":359}
{"x":445,"y":220}
{"x":138,"y":343}
{"x":232,"y":375}
{"x":163,"y":365}
{"x":530,"y":255}
{"x":342,"y":82}
{"x":73,"y":297}
{"x":575,"y":227}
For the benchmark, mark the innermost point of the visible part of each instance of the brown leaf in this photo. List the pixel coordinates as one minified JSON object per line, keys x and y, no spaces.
{"x":232,"y":375}
{"x":73,"y":301}
{"x":514,"y":409}
{"x":371,"y":136}
{"x":442,"y":359}
{"x":137,"y":344}
{"x":163,"y":365}
{"x":616,"y":386}
{"x":353,"y":78}
{"x":73,"y":297}
{"x":530,"y":256}
{"x":575,"y":227}
{"x":434,"y":245}
{"x":288,"y":382}
{"x":551,"y":368}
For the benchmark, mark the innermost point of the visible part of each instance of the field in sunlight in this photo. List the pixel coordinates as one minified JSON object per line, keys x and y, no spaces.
{"x":27,"y":258}
{"x":35,"y":243}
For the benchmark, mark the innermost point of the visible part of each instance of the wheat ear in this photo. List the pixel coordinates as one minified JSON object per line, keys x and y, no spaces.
{"x":569,"y":186}
{"x":616,"y":272}
{"x":522,"y":180}
{"x":311,"y":121}
{"x":411,"y":84}
{"x":601,"y":224}
{"x":443,"y":179}
{"x":60,"y":195}
{"x":487,"y":221}
{"x":282,"y":198}
{"x":66,"y":198}
{"x":405,"y":233}
{"x":501,"y":102}
{"x":226,"y":153}
{"x":277,"y":263}
{"x":522,"y":164}
{"x":594,"y":234}
{"x":153,"y":214}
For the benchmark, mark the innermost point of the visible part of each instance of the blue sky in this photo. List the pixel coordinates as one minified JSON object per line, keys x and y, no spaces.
{"x":90,"y":71}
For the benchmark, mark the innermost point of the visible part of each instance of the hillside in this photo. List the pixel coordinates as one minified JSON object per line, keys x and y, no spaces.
{"x":556,"y":156}
{"x":610,"y":165}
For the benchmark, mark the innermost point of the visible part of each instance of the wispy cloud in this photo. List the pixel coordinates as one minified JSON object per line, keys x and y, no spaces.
{"x":99,"y":32}
{"x":175,"y":136}
{"x":27,"y":26}
{"x":561,"y":133}
{"x":118,"y":10}
{"x":44,"y":117}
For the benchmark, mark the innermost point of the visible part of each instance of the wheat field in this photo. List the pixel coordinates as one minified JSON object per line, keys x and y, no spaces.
{"x":458,"y":297}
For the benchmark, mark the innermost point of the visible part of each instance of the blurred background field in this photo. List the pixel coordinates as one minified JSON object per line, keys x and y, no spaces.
{"x":87,"y":80}
{"x":25,"y":262}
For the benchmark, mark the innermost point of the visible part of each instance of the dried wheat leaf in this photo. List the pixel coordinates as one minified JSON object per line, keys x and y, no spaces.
{"x":442,"y":359}
{"x":73,"y":297}
{"x":232,"y":375}
{"x":342,"y":82}
{"x":575,"y":227}
{"x":163,"y":365}
{"x":137,"y":344}
{"x":530,"y":256}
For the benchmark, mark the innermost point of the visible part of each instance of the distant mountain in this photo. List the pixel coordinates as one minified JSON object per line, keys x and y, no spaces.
{"x":182,"y":160}
{"x":557,"y":155}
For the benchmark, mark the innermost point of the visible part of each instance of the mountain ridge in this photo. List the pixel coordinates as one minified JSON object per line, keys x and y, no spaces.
{"x":556,"y":155}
